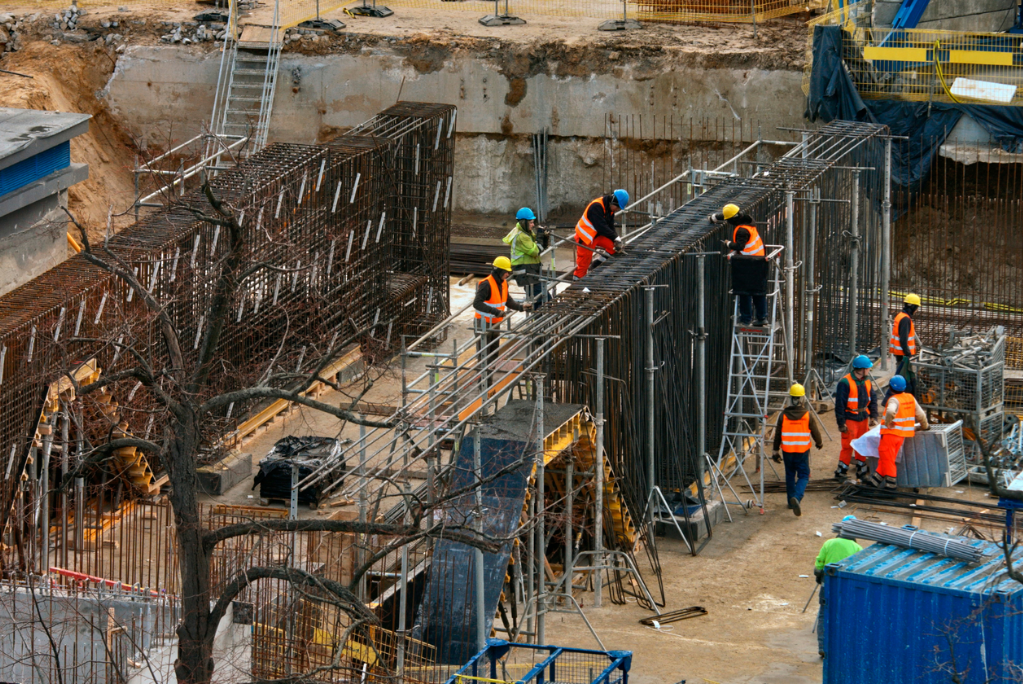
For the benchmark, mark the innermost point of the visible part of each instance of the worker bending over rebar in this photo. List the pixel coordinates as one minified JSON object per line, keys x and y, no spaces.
{"x":595,"y":233}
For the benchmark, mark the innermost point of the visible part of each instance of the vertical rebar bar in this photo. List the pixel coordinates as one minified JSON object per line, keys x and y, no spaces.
{"x":854,"y":264}
{"x":363,"y":507}
{"x":598,"y":466}
{"x":569,"y":506}
{"x":790,"y":287}
{"x":701,"y":372}
{"x":650,"y":401}
{"x":541,"y":498}
{"x":481,"y":596}
{"x":810,"y":289}
{"x":886,"y":251}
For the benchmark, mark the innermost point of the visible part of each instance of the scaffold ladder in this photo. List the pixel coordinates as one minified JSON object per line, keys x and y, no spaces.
{"x":757,"y":383}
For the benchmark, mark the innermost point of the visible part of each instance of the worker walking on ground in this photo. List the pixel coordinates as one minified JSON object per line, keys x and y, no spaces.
{"x":794,"y":432}
{"x":526,"y":240}
{"x":903,"y":342}
{"x":901,"y":413}
{"x":855,"y":413}
{"x":747,"y":245}
{"x":596,"y":231}
{"x":833,"y":551}
{"x":490,"y":304}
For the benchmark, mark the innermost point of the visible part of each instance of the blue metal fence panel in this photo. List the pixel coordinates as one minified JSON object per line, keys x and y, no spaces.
{"x":891,"y":614}
{"x":35,"y":167}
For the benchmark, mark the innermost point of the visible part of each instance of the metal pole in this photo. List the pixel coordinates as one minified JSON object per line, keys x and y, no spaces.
{"x":481,"y":602}
{"x":363,"y":507}
{"x":650,"y":401}
{"x":65,"y":448}
{"x":790,"y":286}
{"x":569,"y":536}
{"x":753,"y":15}
{"x":530,"y":575}
{"x":854,"y":265}
{"x":403,"y":596}
{"x":811,"y":251}
{"x":541,"y":552}
{"x":43,"y":522}
{"x":886,"y":251}
{"x":598,"y":466}
{"x":701,"y":371}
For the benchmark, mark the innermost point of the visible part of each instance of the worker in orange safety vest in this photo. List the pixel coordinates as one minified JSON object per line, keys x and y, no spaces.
{"x":794,"y":433}
{"x":903,"y":343}
{"x":901,"y":414}
{"x":595,"y":232}
{"x":855,"y":413}
{"x":491,"y":302}
{"x":746,"y":241}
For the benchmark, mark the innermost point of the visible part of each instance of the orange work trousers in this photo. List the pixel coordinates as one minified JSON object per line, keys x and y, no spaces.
{"x":887,"y":450}
{"x":854,"y":429}
{"x":583,"y":256}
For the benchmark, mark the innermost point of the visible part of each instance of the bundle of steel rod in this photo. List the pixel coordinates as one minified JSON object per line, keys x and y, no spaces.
{"x":469,"y":259}
{"x":921,"y":540}
{"x":910,"y":503}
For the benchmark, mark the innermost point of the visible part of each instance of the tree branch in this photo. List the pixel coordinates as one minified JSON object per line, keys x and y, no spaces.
{"x":288,"y":395}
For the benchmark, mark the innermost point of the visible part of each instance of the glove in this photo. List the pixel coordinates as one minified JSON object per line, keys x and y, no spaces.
{"x":715,"y":218}
{"x":872,"y":422}
{"x":545,"y":238}
{"x":925,"y":428}
{"x":776,"y":457}
{"x":618,"y":244}
{"x":818,"y":574}
{"x":527,"y":306}
{"x":844,"y":428}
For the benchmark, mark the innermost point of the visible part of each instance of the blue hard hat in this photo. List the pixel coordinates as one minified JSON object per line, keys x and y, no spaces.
{"x":621,"y":198}
{"x":897,"y":383}
{"x":862,"y":361}
{"x":525,"y":213}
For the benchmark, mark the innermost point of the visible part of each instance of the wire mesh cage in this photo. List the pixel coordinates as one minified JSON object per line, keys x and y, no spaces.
{"x":962,"y":379}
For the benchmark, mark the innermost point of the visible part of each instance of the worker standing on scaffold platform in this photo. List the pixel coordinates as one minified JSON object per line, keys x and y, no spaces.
{"x":903,"y":342}
{"x":745,"y":252}
{"x":794,"y":433}
{"x":901,"y":413}
{"x":490,"y":303}
{"x":855,"y":413}
{"x":526,"y":240}
{"x":595,"y":232}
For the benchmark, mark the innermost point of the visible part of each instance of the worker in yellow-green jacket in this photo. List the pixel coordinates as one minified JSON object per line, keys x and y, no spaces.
{"x":526,"y":241}
{"x":833,"y":551}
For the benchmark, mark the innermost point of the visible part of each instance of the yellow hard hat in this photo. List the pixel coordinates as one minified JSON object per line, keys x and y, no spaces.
{"x":503,"y":263}
{"x":729,"y":210}
{"x":912,"y":299}
{"x":797,"y":390}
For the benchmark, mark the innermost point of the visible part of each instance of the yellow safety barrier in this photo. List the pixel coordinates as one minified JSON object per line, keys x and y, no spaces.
{"x":484,"y":679}
{"x":924,"y":65}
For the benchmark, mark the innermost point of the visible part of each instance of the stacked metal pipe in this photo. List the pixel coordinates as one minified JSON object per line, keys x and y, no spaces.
{"x":908,"y":538}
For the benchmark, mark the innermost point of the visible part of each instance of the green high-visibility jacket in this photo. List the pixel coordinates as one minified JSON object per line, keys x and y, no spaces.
{"x":524,"y":249}
{"x":835,"y":550}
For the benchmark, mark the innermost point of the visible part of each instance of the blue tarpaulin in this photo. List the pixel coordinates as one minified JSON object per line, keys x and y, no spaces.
{"x":833,"y":95}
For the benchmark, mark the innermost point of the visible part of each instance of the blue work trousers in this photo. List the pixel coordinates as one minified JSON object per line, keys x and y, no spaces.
{"x":749,"y":303}
{"x":797,"y":474}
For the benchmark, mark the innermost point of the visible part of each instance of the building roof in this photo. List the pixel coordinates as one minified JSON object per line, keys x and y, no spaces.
{"x":27,"y":132}
{"x":897,"y":564}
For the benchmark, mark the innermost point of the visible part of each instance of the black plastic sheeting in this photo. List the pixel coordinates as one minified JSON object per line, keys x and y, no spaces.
{"x":309,"y":453}
{"x":833,"y":95}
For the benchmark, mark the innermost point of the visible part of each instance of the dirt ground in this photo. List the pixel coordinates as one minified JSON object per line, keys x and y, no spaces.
{"x":753,"y":577}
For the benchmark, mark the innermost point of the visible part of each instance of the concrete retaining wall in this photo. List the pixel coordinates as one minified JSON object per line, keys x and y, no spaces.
{"x":157,"y":91}
{"x":954,"y":15}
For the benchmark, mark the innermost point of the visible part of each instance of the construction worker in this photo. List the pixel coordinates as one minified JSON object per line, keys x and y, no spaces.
{"x":903,"y":342}
{"x":900,"y":415}
{"x":833,"y":551}
{"x":490,"y":303}
{"x":855,"y":413}
{"x":793,"y":433}
{"x":745,"y":241}
{"x":596,"y":231}
{"x":526,"y":240}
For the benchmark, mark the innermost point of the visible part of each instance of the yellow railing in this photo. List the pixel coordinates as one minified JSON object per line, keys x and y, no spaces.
{"x":925,"y":65}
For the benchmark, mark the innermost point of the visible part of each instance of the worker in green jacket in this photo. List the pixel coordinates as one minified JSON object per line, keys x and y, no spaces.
{"x":527,"y":240}
{"x":833,"y":551}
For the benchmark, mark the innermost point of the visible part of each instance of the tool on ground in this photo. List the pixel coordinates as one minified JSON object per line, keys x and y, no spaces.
{"x":674,"y":616}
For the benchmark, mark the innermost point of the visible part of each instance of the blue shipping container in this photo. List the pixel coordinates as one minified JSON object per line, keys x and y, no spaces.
{"x":895,"y":616}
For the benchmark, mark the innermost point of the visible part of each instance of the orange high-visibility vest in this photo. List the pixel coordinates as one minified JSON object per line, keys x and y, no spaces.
{"x":852,"y":405}
{"x":904,"y":423}
{"x":498,"y":298}
{"x":585,"y":232}
{"x":795,"y":434}
{"x":754,"y":246}
{"x":894,"y":344}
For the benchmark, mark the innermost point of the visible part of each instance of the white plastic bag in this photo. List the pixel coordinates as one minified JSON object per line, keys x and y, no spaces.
{"x":868,"y":443}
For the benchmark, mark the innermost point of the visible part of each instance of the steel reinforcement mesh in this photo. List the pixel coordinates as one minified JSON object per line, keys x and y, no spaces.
{"x":315,"y":215}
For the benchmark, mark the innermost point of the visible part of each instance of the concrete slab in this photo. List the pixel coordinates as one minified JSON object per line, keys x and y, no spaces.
{"x":27,"y":132}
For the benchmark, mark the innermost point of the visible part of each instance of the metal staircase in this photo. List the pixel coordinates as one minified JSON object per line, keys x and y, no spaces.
{"x":247,"y":82}
{"x":758,"y":382}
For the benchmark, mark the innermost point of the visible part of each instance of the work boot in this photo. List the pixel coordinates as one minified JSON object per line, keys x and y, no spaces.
{"x":889,"y":484}
{"x":862,"y":470}
{"x":794,"y":505}
{"x":760,"y":323}
{"x":874,"y":480}
{"x":841,"y":472}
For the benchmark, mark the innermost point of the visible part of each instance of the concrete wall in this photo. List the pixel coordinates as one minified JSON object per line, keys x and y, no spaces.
{"x":954,"y":15}
{"x":33,"y":240}
{"x":156,"y":90}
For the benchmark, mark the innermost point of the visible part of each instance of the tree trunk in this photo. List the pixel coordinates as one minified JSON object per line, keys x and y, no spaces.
{"x":194,"y":664}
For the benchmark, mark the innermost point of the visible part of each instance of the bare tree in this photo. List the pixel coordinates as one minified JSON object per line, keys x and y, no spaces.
{"x":187,"y":393}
